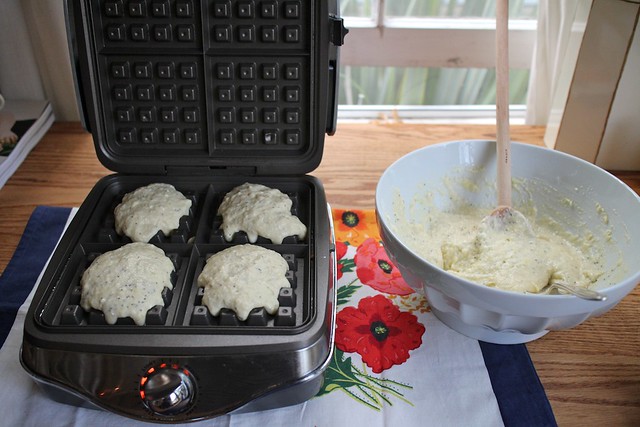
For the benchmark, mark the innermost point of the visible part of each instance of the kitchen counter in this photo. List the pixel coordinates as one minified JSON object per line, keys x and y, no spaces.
{"x":591,"y":373}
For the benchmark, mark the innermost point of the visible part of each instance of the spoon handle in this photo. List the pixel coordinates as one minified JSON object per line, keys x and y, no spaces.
{"x":503,"y":139}
{"x":580,"y":292}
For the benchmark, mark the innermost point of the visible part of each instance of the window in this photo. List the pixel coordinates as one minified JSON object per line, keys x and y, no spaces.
{"x":431,"y":57}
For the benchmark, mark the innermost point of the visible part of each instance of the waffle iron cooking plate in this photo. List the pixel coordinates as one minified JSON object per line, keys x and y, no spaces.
{"x":204,"y":95}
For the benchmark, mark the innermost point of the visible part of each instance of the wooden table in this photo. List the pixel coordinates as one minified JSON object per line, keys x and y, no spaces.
{"x":590,"y":373}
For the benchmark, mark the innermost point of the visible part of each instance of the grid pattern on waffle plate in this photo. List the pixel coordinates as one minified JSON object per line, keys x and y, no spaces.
{"x":265,"y":24}
{"x":155,"y":102}
{"x":179,"y":24}
{"x":258,"y":102}
{"x":196,"y":239}
{"x":217,"y":76}
{"x":152,"y":23}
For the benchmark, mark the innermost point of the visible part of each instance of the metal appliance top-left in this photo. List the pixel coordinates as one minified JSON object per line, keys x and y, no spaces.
{"x":204,"y":95}
{"x":214,"y":83}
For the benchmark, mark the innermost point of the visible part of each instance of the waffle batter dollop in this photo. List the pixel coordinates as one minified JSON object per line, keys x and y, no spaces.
{"x":147,"y":210}
{"x":259,"y":211}
{"x":242,"y":278}
{"x":126,"y":282}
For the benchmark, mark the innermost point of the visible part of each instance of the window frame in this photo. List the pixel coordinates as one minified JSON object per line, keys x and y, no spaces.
{"x":470,"y":43}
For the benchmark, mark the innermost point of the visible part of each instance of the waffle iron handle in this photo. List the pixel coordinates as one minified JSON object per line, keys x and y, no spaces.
{"x":337,"y":32}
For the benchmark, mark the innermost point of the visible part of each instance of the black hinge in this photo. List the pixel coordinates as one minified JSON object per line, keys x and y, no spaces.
{"x":337,"y":30}
{"x":210,"y":170}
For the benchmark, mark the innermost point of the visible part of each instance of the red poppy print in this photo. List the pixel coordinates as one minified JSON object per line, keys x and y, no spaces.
{"x":379,"y":332}
{"x":341,"y":251}
{"x":375,"y":269}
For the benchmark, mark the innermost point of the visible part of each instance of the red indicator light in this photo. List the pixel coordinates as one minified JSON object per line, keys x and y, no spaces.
{"x":151,"y":370}
{"x":163,"y":365}
{"x":142,"y":394}
{"x":143,"y":381}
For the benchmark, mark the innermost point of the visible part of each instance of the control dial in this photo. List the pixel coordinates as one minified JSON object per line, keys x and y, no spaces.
{"x":167,"y":390}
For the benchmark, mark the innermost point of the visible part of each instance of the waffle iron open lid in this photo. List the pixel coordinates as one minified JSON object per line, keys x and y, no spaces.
{"x":207,"y":86}
{"x":205,"y":95}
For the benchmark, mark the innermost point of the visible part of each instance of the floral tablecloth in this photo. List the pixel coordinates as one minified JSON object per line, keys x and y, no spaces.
{"x":394,"y":363}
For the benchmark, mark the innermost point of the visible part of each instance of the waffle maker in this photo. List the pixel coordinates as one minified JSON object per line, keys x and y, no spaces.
{"x":204,"y":95}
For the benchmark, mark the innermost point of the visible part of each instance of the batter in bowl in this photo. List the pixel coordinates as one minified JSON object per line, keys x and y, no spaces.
{"x":514,"y":259}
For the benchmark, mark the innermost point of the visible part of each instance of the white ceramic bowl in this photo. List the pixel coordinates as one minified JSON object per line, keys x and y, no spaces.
{"x":579,"y":195}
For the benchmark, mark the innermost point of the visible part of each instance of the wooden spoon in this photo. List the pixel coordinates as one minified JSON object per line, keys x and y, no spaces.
{"x":504,"y":216}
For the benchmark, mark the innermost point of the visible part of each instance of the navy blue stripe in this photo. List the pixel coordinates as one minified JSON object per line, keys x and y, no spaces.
{"x":520,"y":394}
{"x":38,"y":241}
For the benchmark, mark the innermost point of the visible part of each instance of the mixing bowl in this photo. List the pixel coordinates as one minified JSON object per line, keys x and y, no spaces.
{"x":583,"y":200}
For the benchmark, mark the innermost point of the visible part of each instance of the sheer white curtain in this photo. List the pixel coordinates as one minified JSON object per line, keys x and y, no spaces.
{"x":560,"y":29}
